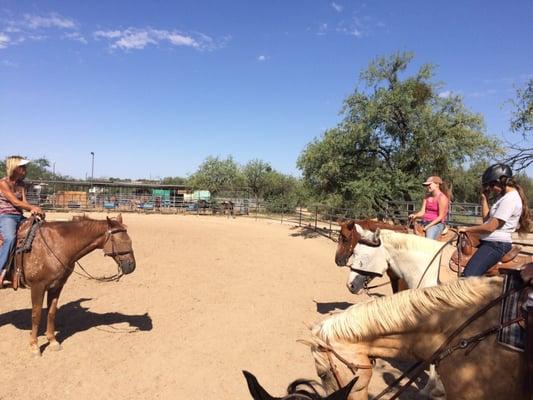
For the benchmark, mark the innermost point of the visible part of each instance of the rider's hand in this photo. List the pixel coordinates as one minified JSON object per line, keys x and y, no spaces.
{"x":38,"y":211}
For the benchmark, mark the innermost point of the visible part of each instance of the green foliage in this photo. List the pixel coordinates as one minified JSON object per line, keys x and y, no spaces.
{"x":396,"y":131}
{"x":174,"y":180}
{"x":256,"y":174}
{"x":215,"y":175}
{"x":522,"y":120}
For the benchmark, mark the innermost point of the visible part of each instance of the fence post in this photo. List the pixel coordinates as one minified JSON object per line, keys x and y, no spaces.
{"x":316,"y":216}
{"x":329,"y":217}
{"x":300,"y":221}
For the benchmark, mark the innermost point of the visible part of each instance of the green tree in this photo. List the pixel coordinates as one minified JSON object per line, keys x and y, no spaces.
{"x":256,"y":175}
{"x":216,"y":174}
{"x":521,"y":155}
{"x":395,"y":131}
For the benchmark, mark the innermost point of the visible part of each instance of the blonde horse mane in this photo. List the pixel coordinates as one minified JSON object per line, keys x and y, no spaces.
{"x":403,"y":241}
{"x":404,"y":310}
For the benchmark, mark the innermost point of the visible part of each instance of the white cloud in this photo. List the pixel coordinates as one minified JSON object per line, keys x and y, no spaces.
{"x":4,"y":40}
{"x":337,"y":7}
{"x":262,"y":57}
{"x":52,"y":20}
{"x":446,"y":94}
{"x":139,"y":38}
{"x":75,"y":36}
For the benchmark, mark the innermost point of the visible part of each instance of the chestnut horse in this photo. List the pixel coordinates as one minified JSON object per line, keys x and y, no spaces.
{"x":424,"y":324}
{"x":56,"y":248}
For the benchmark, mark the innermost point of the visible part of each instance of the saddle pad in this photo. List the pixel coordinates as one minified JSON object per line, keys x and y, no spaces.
{"x":512,"y":336}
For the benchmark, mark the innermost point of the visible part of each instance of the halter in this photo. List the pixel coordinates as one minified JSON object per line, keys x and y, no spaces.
{"x":353,"y":367}
{"x":111,"y":241}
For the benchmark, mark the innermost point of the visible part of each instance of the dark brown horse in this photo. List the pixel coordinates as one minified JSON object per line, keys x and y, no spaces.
{"x":56,"y":248}
{"x":301,"y":389}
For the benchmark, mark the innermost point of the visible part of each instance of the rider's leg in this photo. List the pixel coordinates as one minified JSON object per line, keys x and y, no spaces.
{"x":487,"y":254}
{"x":8,"y":229}
{"x":433,"y":232}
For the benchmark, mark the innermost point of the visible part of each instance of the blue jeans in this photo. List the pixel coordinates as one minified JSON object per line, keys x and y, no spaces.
{"x":487,"y":254}
{"x":8,"y":229}
{"x":434,"y":231}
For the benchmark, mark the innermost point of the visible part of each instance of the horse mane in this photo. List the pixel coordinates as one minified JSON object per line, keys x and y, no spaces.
{"x":405,"y":309}
{"x":403,"y":241}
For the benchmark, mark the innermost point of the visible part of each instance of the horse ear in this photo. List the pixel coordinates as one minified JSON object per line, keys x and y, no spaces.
{"x":119,"y":217}
{"x":350,"y":224}
{"x":256,"y":390}
{"x":342,"y":394}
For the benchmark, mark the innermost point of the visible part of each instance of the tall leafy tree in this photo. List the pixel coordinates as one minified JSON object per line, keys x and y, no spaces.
{"x":395,"y":131}
{"x":216,"y":174}
{"x":521,"y":154}
{"x":256,"y":174}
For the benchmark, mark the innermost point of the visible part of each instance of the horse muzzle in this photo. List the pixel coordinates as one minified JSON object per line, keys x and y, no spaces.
{"x":127,"y":265}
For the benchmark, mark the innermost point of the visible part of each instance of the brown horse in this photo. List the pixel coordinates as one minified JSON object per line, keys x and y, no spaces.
{"x":56,"y":248}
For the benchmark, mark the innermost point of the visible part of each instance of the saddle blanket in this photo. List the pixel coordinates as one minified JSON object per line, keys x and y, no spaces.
{"x":512,"y":336}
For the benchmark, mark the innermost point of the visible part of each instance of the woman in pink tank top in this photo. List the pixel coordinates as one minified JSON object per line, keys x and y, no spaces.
{"x":12,"y":204}
{"x":434,"y":208}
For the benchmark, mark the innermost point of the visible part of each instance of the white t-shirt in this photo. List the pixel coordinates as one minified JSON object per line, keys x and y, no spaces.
{"x":509,"y":209}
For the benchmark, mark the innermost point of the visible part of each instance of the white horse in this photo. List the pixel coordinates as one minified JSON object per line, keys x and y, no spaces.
{"x":412,"y":258}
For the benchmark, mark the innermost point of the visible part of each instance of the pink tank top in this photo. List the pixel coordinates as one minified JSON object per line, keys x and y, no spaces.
{"x":432,"y":209}
{"x":6,"y":207}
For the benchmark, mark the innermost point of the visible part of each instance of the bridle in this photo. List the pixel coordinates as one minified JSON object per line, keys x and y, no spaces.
{"x":353,"y":367}
{"x":112,"y":247}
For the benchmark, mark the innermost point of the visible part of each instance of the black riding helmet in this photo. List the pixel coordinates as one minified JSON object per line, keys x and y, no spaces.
{"x":495,"y":172}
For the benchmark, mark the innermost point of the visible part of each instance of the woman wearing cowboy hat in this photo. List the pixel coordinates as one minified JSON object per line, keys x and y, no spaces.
{"x":12,"y":204}
{"x":434,"y":207}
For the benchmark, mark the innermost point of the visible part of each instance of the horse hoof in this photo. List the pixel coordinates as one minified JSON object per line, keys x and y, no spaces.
{"x":55,"y":346}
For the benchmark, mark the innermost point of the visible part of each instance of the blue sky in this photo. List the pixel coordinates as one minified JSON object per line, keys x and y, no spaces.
{"x":154,"y":87}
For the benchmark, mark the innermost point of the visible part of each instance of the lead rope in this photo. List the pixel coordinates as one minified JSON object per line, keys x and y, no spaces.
{"x":88,"y":276}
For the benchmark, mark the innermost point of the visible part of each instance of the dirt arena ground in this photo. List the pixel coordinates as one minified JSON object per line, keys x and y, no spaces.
{"x":211,"y":296}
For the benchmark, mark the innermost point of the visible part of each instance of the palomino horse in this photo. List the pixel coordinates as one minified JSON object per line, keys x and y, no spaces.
{"x":301,"y":389}
{"x":412,"y":258}
{"x":55,"y":249}
{"x":422,"y":324}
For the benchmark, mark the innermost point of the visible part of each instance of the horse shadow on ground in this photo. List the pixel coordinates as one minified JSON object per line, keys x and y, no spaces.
{"x":309,"y":232}
{"x":73,"y":318}
{"x":412,"y":392}
{"x":326,"y":308}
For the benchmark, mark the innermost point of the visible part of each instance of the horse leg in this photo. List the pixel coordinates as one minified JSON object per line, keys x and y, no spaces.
{"x":52,"y":299}
{"x":37,"y":296}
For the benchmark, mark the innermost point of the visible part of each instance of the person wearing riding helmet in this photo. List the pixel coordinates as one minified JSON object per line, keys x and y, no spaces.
{"x":12,"y":204}
{"x":434,"y":207}
{"x":508,"y":213}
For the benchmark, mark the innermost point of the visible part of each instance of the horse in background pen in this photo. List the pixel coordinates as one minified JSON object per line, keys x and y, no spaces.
{"x":57,"y":246}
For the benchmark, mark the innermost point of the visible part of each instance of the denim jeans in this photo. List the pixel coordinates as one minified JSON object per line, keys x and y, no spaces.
{"x":487,"y":254}
{"x":434,"y":231}
{"x":8,"y":229}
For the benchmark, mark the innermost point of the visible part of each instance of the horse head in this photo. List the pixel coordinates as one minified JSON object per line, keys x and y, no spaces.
{"x":368,"y":262}
{"x":118,"y":245}
{"x":339,"y":367}
{"x":348,"y":239}
{"x":294,"y":392}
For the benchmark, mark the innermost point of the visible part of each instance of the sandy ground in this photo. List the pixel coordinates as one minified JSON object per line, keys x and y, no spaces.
{"x":210,"y":296}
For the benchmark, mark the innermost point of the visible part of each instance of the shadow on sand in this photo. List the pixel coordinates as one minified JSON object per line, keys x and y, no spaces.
{"x":309,"y":232}
{"x":73,"y":318}
{"x":326,"y":308}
